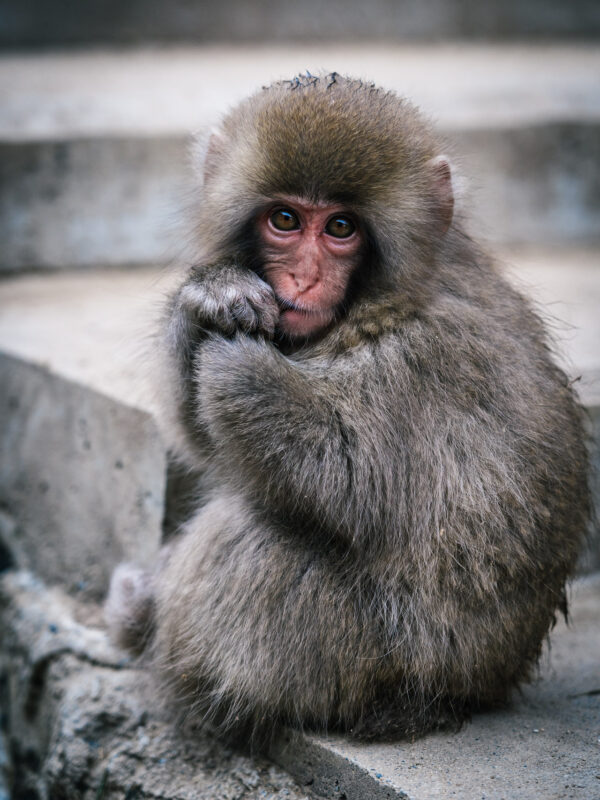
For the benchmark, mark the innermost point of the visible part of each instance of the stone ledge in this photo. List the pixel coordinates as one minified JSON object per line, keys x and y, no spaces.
{"x":169,"y":91}
{"x":93,"y":146}
{"x":82,"y":721}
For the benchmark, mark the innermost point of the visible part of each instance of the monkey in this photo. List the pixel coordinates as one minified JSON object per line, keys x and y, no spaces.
{"x":394,"y":469}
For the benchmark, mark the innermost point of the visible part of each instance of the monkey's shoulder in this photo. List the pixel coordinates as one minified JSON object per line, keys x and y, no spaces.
{"x":472,"y":343}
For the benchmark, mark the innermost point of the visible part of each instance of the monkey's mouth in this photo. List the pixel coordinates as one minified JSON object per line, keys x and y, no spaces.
{"x":297,"y":319}
{"x":291,"y":305}
{"x":286,"y":306}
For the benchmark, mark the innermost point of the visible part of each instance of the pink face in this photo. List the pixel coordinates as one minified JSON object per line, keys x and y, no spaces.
{"x":310,"y":252}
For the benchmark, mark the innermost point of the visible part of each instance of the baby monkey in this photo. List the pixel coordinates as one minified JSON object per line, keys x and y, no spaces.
{"x":393,"y":468}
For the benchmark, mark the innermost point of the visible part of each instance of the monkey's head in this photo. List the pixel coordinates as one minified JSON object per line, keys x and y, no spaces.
{"x":332,"y":190}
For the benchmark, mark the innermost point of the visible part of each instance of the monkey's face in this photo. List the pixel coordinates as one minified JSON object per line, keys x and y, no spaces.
{"x":309,"y":253}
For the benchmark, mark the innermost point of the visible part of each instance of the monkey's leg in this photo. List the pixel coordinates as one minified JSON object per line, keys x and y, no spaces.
{"x":252,"y":627}
{"x":129,"y":607}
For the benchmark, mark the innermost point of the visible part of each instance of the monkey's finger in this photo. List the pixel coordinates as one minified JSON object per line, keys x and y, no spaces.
{"x":245,"y":315}
{"x":199,"y":306}
{"x":224,"y":319}
{"x":267,"y":312}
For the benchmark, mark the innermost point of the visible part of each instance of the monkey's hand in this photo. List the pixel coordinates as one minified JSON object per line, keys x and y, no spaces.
{"x":216,"y":299}
{"x":227,"y":300}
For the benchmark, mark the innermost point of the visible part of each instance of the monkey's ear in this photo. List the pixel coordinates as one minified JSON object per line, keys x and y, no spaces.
{"x":441,"y":175}
{"x":208,"y":149}
{"x":214,"y":153}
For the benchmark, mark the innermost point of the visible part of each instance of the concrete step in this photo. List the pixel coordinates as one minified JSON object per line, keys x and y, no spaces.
{"x":33,"y":22}
{"x":93,"y":145}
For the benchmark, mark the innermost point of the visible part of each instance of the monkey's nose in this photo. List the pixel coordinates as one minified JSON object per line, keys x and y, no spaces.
{"x":305,"y":279}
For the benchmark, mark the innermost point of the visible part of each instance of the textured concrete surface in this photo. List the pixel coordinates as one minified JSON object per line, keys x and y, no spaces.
{"x":83,"y":723}
{"x":93,"y":146}
{"x":31,"y":22}
{"x":173,"y":90}
{"x":82,"y":479}
{"x":90,"y":201}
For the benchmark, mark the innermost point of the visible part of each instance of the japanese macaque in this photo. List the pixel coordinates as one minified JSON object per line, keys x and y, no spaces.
{"x":394,"y":483}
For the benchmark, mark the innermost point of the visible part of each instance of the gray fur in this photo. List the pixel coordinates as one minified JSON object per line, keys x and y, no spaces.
{"x":395,"y":505}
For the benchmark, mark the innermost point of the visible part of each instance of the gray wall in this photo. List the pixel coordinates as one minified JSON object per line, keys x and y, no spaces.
{"x":25,"y":23}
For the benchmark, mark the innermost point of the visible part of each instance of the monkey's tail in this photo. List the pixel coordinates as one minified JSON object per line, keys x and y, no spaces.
{"x":129,"y":608}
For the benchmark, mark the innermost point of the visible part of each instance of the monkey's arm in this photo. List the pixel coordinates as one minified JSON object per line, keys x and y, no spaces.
{"x":287,"y":432}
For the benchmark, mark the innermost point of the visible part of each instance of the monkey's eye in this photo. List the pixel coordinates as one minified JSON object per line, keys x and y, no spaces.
{"x":284,"y":220}
{"x":340,"y":227}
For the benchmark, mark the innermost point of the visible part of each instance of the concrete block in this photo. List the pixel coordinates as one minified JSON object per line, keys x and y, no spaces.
{"x":81,"y":475}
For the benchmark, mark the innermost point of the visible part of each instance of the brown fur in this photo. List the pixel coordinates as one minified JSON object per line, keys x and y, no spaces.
{"x":396,"y":505}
